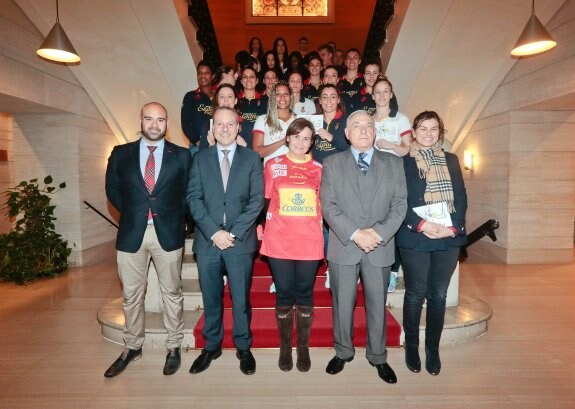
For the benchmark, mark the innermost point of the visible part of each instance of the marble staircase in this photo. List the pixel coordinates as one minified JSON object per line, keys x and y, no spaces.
{"x":466,"y":316}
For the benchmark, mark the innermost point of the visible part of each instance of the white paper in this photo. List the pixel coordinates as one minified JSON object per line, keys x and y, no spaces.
{"x":389,"y":131}
{"x":316,"y":120}
{"x":435,"y":213}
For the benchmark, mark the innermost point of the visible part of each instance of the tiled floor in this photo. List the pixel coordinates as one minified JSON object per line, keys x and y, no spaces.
{"x":52,"y":355}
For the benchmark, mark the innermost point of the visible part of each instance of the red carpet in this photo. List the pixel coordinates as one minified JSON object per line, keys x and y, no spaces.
{"x":264,"y":328}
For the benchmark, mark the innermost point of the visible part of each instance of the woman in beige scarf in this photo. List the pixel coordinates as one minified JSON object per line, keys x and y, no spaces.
{"x":429,"y":248}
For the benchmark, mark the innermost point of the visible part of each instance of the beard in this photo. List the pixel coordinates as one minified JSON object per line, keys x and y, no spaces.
{"x":151,"y":137}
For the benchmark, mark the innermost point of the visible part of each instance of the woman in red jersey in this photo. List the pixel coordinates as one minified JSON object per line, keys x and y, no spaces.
{"x":293,"y":238}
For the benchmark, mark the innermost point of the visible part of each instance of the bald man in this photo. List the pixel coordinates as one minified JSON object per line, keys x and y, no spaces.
{"x":146,"y":181}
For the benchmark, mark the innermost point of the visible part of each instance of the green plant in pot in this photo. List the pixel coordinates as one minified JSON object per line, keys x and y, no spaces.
{"x":32,"y":249}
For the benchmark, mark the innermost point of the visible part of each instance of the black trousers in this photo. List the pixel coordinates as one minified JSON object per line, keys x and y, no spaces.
{"x":293,"y":280}
{"x":211,"y":267}
{"x":427,"y":275}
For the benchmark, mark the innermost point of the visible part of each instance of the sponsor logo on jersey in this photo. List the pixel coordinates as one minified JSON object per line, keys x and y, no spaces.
{"x":297,"y":202}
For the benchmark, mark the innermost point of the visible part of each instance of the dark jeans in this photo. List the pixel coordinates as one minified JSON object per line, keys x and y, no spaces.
{"x":294,"y":281}
{"x":427,"y":275}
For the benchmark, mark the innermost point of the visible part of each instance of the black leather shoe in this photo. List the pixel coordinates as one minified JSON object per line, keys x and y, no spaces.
{"x":432,"y":362}
{"x":412,"y":360}
{"x":247,"y":362}
{"x":173,"y":361}
{"x":204,"y":360}
{"x":336,"y":365}
{"x":122,"y":362}
{"x":385,"y":372}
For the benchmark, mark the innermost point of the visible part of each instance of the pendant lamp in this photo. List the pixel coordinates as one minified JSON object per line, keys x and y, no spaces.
{"x":57,"y":45}
{"x":534,"y":39}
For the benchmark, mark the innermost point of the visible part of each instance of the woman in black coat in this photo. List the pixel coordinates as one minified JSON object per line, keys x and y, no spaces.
{"x":429,"y":248}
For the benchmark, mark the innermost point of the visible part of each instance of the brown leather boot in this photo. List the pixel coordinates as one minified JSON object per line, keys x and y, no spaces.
{"x":303,"y":325}
{"x":284,"y":318}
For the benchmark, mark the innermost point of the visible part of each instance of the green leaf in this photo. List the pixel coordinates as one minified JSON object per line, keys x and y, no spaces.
{"x":50,"y":189}
{"x":48,"y":179}
{"x":62,"y":185}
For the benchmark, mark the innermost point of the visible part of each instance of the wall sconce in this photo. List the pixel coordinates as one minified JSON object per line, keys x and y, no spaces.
{"x":468,"y":161}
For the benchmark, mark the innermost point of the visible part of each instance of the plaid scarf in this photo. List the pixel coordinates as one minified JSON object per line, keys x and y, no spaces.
{"x":433,"y":168}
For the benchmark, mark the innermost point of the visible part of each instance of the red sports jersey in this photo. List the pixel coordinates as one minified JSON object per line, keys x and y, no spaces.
{"x":294,"y":223}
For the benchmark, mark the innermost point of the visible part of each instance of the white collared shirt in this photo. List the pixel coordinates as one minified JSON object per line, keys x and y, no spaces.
{"x":231,"y":153}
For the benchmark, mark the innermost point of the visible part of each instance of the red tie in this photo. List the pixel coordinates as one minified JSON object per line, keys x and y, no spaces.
{"x":150,"y":174}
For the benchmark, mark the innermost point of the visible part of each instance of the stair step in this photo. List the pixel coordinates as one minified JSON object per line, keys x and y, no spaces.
{"x":189,"y":267}
{"x":192,"y":294}
{"x":265,"y":332}
{"x":463,"y":322}
{"x":262,"y":298}
{"x":188,"y":246}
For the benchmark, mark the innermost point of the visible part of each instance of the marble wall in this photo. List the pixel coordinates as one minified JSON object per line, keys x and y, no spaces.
{"x":56,"y":130}
{"x":525,"y":157}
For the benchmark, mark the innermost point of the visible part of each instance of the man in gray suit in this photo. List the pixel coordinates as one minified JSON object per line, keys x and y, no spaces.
{"x":225,"y":197}
{"x":363,"y":199}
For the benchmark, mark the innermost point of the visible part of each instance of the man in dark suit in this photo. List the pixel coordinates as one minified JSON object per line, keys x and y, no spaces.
{"x":146,"y":181}
{"x":363,"y":199}
{"x":225,"y":197}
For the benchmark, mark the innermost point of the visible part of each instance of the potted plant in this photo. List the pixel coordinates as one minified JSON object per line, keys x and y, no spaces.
{"x":32,"y":249}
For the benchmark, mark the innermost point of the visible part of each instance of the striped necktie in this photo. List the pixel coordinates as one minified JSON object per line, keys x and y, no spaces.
{"x":362,"y":164}
{"x":150,"y":174}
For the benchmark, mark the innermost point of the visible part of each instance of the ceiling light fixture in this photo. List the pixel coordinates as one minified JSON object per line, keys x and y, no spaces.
{"x":534,"y":38}
{"x":57,"y":45}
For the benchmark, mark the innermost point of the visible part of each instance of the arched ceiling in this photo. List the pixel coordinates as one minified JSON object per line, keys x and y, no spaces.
{"x":451,"y":55}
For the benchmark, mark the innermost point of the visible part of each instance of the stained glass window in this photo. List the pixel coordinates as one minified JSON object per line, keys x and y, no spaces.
{"x":266,"y":11}
{"x":302,"y":8}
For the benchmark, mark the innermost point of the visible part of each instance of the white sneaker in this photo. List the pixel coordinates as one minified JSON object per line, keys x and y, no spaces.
{"x":326,"y":284}
{"x":392,"y":282}
{"x":272,"y":288}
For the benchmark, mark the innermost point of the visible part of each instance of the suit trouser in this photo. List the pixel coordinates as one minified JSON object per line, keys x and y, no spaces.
{"x":211,"y":267}
{"x":343,"y":281}
{"x":133,"y":270}
{"x":427,"y":275}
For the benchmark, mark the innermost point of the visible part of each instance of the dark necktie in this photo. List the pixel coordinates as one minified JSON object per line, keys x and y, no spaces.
{"x":362,"y":164}
{"x":150,"y":174}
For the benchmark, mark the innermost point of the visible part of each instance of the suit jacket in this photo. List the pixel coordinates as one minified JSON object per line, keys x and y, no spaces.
{"x":241,"y":202}
{"x":126,"y":190}
{"x":408,"y":236}
{"x":346,"y":208}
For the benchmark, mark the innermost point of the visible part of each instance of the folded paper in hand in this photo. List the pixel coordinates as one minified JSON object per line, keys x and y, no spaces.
{"x":435,"y":213}
{"x":316,"y":120}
